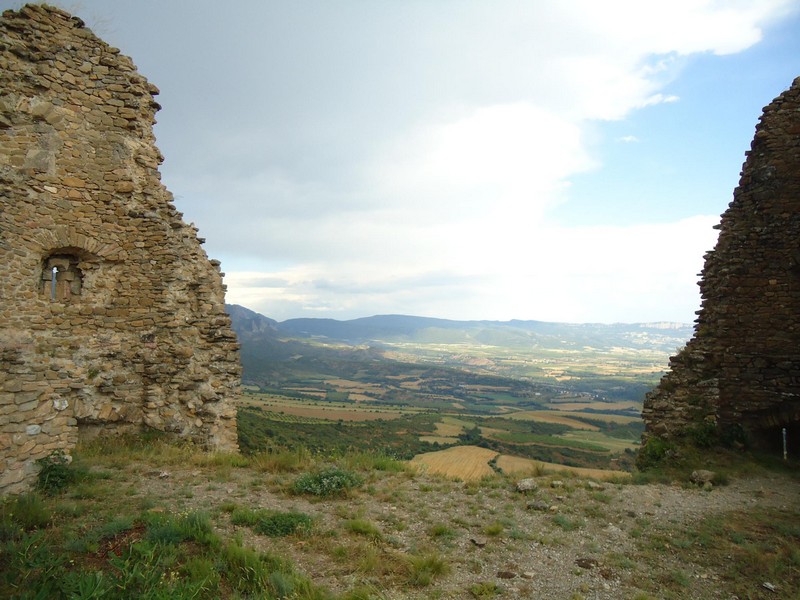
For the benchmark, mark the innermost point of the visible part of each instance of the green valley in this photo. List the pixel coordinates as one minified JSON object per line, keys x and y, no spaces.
{"x":404,"y":386}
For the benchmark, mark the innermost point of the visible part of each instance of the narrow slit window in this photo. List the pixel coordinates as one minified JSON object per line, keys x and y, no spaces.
{"x":62,"y":280}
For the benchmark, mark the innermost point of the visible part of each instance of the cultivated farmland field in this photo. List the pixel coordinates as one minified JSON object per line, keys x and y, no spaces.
{"x":584,"y":440}
{"x":553,"y":417}
{"x":526,"y":466}
{"x":459,"y":462}
{"x":548,"y":393}
{"x":323,"y":411}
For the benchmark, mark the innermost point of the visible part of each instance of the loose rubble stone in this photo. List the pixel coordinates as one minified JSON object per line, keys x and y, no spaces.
{"x":739,"y":375}
{"x":506,"y":575}
{"x":702,"y":476}
{"x":112,"y":316}
{"x":586,"y":563}
{"x":527,"y":485}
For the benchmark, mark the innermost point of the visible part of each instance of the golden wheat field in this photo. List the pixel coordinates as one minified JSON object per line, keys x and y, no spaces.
{"x":522,"y":466}
{"x":599,"y":416}
{"x":437,"y":439}
{"x":469,"y":463}
{"x":619,"y":405}
{"x":459,"y":462}
{"x":547,"y":416}
{"x":328,"y":411}
{"x":334,"y":414}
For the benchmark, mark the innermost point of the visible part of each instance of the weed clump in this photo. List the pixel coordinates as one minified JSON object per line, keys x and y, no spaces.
{"x":55,"y":472}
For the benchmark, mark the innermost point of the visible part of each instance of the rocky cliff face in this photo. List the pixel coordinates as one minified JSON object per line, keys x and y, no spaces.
{"x":112,"y":316}
{"x":739,"y":376}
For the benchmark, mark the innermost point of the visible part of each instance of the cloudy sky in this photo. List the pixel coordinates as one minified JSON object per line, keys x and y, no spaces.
{"x":558,"y":161}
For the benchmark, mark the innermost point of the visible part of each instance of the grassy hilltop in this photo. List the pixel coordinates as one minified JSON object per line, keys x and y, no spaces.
{"x":146,"y":517}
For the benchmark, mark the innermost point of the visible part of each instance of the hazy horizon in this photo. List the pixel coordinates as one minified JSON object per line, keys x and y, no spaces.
{"x":680,"y":323}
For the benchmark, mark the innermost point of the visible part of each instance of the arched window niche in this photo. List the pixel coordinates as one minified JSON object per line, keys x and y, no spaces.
{"x":62,"y":276}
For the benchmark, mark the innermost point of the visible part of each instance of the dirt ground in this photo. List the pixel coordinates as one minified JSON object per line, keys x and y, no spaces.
{"x":566,"y":538}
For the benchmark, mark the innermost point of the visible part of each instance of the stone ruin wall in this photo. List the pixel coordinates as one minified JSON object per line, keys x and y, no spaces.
{"x":740,"y":373}
{"x":111,"y":315}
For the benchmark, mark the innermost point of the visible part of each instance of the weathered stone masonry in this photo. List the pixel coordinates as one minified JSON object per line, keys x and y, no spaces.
{"x":111,"y":315}
{"x":741,"y":371}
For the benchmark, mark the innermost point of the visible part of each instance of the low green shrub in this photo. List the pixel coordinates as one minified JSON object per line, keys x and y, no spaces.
{"x":653,"y":453}
{"x":332,"y":481}
{"x":703,"y":435}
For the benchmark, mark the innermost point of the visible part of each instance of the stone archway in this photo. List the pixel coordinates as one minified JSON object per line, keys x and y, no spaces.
{"x":765,"y":430}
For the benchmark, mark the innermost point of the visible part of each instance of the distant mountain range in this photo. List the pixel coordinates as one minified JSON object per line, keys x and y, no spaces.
{"x":662,"y":336}
{"x":620,"y":361}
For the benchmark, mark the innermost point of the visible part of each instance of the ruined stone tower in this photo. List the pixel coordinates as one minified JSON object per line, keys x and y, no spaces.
{"x":739,"y":376}
{"x":111,"y":315}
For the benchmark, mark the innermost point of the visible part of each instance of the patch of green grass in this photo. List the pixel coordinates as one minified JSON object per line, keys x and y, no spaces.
{"x":424,"y":568}
{"x":566,"y":523}
{"x":282,"y":460}
{"x":263,"y":574}
{"x":228,"y":506}
{"x":601,"y":497}
{"x":745,"y":548}
{"x":272,"y":523}
{"x":169,"y":529}
{"x":678,"y":578}
{"x":484,"y":590}
{"x":90,"y":490}
{"x":593,"y":511}
{"x":363,"y":527}
{"x":494,"y":529}
{"x":26,"y":512}
{"x":441,"y":531}
{"x":368,"y":461}
{"x":281,"y":524}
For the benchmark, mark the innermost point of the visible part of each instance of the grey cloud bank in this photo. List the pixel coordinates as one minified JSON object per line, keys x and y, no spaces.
{"x":349,"y":158}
